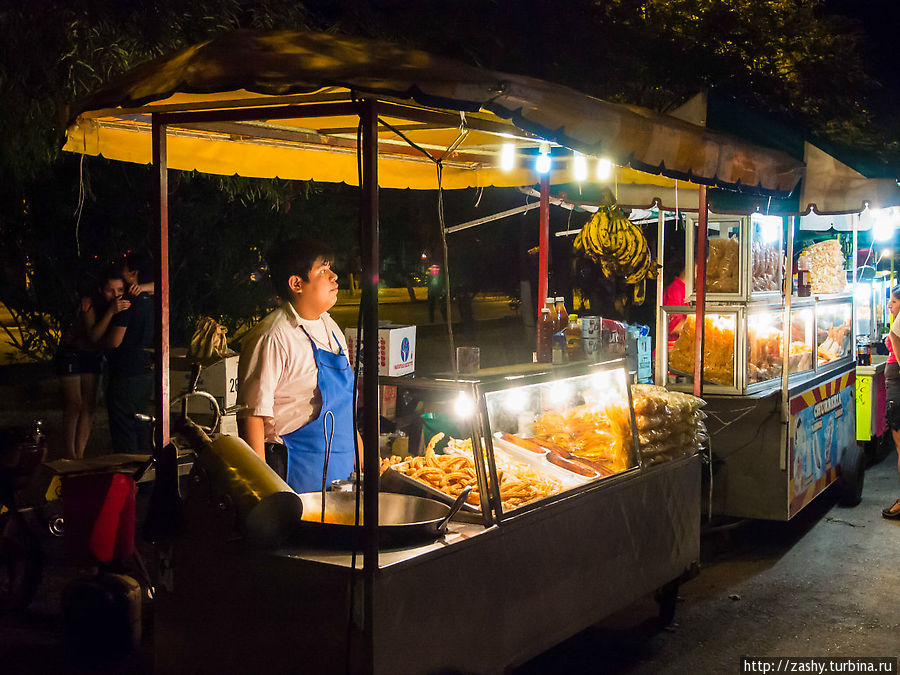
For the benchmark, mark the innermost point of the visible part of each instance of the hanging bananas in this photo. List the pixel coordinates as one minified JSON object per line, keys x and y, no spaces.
{"x":619,"y":247}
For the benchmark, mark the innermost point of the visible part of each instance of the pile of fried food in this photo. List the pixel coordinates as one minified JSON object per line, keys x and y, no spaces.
{"x":454,"y":471}
{"x":670,"y":423}
{"x":598,"y":435}
{"x":718,"y":349}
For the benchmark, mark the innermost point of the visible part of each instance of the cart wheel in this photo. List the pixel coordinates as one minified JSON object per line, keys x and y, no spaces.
{"x":853,"y":474}
{"x":667,"y":596}
{"x":21,"y":562}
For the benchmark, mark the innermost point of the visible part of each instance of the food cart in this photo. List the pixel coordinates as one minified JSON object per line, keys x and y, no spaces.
{"x":523,"y":576}
{"x":782,"y":418}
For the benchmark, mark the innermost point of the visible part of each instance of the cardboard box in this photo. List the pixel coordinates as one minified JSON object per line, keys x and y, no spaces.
{"x":396,"y":349}
{"x":219,"y":379}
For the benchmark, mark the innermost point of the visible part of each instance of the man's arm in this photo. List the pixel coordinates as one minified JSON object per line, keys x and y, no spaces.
{"x":113,"y":337}
{"x":252,"y":429}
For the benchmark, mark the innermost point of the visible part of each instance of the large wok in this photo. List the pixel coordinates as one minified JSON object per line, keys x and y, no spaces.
{"x":403,"y":520}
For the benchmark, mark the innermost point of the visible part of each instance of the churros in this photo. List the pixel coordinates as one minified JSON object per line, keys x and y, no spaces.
{"x":453,"y":472}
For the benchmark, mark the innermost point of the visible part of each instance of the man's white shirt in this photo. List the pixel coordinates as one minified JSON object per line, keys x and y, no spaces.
{"x":277,"y":372}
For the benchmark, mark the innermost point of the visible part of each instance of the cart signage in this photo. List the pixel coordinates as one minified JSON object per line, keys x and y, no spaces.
{"x":822,"y":426}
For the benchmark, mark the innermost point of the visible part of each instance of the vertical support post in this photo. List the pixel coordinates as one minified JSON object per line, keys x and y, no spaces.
{"x":699,"y":314}
{"x":161,"y":292}
{"x":786,"y":335}
{"x":543,"y":243}
{"x":662,"y":343}
{"x":370,"y":257}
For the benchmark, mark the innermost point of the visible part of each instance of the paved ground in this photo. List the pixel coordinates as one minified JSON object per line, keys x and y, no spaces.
{"x":824,"y":584}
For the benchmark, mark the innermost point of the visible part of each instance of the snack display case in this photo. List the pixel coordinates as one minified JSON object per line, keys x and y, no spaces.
{"x":522,"y":440}
{"x":743,"y":345}
{"x":778,"y":370}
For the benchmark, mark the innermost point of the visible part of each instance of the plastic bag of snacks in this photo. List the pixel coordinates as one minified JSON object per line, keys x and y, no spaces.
{"x":670,"y":423}
{"x":722,"y":266}
{"x":826,"y":267}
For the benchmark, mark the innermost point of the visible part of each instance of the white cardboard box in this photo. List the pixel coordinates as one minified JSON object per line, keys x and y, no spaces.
{"x":396,"y":349}
{"x":219,"y":379}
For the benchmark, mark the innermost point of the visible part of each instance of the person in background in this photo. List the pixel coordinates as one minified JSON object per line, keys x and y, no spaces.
{"x":136,"y":266}
{"x":294,"y":377}
{"x":79,"y":360}
{"x":892,"y":387}
{"x":129,"y":344}
{"x":674,"y":295}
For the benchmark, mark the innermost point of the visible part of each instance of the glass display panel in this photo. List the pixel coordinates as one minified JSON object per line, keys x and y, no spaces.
{"x":554,"y":436}
{"x":426,"y":442}
{"x":765,"y":336}
{"x":800,"y":357}
{"x":833,"y":332}
{"x":766,"y":234}
{"x":718,"y":352}
{"x":723,"y":267}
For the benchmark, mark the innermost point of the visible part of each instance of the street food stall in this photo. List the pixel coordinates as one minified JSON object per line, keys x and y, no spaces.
{"x":581,"y":495}
{"x":777,"y":366}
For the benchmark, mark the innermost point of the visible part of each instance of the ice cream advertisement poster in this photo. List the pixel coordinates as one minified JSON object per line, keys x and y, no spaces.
{"x":823,"y":423}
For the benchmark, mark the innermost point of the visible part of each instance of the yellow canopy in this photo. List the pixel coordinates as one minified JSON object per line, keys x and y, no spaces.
{"x":458,"y":114}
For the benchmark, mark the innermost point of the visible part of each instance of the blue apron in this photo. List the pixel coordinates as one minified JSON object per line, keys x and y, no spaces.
{"x":330,"y":433}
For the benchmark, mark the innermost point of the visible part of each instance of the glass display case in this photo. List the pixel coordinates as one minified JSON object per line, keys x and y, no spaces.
{"x":743,"y":344}
{"x":745,"y":258}
{"x":748,"y":338}
{"x":833,"y":331}
{"x":522,"y":440}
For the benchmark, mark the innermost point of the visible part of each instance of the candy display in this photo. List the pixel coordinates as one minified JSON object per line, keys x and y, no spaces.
{"x":722,"y":266}
{"x":826,"y":267}
{"x":718,"y":352}
{"x":670,"y":423}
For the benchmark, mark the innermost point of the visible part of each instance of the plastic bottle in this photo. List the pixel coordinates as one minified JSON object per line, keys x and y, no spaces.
{"x":554,"y":317}
{"x":545,"y":337}
{"x":804,"y":287}
{"x":573,"y":339}
{"x":559,"y":347}
{"x":562,"y":316}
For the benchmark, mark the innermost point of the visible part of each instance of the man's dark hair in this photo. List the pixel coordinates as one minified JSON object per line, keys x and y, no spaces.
{"x":295,"y":256}
{"x":141,"y":263}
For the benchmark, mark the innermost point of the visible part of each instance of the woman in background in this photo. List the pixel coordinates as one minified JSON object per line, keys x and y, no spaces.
{"x":892,"y":387}
{"x":79,"y":360}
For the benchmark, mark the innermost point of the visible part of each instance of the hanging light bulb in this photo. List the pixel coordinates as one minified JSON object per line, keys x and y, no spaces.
{"x":542,"y":163}
{"x":604,"y":169}
{"x":508,"y":157}
{"x":580,"y":167}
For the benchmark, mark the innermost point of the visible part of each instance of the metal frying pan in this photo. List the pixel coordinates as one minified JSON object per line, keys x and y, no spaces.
{"x":403,"y":520}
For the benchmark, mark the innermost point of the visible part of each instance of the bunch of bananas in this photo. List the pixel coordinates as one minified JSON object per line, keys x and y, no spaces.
{"x":619,"y":247}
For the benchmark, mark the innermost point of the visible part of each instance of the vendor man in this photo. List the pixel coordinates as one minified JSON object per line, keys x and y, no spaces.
{"x":294,"y":377}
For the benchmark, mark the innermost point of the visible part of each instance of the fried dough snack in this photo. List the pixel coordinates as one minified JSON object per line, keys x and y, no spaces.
{"x":453,"y":472}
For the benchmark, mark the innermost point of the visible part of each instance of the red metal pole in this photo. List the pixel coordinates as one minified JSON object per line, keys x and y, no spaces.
{"x":543,"y":244}
{"x":161,"y":292}
{"x":700,"y":284}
